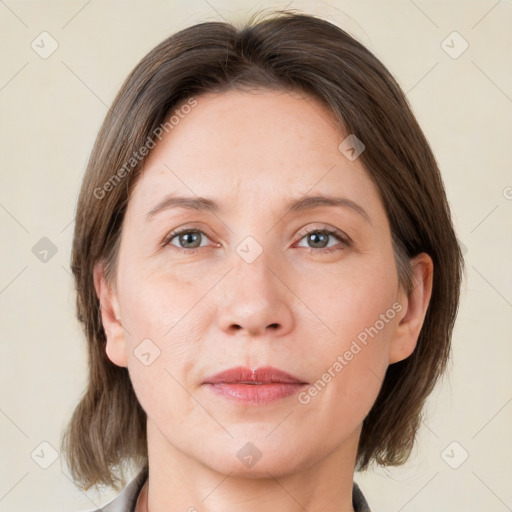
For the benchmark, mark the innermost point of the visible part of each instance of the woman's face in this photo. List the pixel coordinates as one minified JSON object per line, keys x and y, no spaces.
{"x":248,"y":287}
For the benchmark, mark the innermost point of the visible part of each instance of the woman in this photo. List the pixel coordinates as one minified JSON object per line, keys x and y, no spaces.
{"x":297,"y":337}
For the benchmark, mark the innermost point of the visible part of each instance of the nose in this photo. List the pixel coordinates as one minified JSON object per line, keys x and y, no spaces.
{"x":255,"y":299}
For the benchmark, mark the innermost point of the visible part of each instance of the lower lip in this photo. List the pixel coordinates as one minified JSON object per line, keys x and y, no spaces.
{"x":255,"y":393}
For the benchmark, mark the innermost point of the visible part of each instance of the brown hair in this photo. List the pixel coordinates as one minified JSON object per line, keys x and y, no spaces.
{"x":291,"y":51}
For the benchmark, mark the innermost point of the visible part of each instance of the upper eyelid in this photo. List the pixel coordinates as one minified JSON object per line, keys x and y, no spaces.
{"x":325,"y":227}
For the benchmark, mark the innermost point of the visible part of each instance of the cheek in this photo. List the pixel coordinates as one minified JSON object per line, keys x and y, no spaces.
{"x":160,"y":365}
{"x":155,"y":303}
{"x":349,"y":376}
{"x":353,"y":300}
{"x":161,"y":324}
{"x":358,"y":312}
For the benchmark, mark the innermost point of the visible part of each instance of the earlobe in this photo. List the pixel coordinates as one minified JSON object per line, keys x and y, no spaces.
{"x":415,"y":305}
{"x":110,"y":317}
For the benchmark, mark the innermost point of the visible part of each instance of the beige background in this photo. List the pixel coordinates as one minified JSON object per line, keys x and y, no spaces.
{"x":51,"y":110}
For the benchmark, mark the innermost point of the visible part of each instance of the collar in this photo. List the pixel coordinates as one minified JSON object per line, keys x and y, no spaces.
{"x":126,"y":500}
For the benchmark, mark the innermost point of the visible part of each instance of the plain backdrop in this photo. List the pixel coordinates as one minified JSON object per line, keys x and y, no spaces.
{"x":452,"y":58}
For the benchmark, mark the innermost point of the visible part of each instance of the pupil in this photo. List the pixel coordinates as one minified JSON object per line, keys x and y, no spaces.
{"x":315,"y":236}
{"x":191,"y":235}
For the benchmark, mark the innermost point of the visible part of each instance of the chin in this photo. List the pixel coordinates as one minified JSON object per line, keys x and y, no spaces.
{"x":257,"y":458}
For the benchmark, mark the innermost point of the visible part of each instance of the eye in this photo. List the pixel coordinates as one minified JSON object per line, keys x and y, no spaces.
{"x":189,"y":239}
{"x":320,"y":237}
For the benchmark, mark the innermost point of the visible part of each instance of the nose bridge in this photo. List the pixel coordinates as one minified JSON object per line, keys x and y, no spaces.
{"x":254,"y":296}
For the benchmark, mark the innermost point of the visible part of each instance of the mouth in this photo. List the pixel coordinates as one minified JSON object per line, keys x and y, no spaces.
{"x":260,"y":376}
{"x":258,"y":386}
{"x":255,"y":383}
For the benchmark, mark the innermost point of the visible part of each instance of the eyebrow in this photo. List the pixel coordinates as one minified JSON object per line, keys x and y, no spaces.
{"x":294,"y":205}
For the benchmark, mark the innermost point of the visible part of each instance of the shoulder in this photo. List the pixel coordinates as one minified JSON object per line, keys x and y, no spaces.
{"x":126,"y":499}
{"x":358,"y":500}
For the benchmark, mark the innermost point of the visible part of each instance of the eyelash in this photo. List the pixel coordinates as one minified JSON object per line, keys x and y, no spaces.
{"x":325,"y":230}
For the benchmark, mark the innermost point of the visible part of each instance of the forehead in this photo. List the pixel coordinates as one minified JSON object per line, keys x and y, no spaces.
{"x":253,"y":148}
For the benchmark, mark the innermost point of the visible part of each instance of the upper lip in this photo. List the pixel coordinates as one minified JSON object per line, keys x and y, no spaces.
{"x":263,"y":375}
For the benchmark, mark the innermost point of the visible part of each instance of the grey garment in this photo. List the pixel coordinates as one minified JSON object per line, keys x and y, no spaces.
{"x":126,"y":500}
{"x":358,"y":500}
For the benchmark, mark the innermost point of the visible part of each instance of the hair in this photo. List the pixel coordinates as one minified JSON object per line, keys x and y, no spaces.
{"x":284,"y":51}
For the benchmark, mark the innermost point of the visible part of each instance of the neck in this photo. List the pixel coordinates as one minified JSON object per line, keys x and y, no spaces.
{"x":179,"y":481}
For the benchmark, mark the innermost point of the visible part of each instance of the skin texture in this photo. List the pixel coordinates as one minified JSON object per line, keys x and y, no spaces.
{"x":294,"y":307}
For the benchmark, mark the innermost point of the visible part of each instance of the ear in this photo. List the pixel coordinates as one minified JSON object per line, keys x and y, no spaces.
{"x":414,"y":309}
{"x":116,"y":349}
